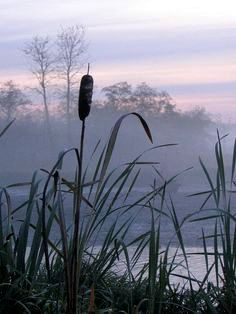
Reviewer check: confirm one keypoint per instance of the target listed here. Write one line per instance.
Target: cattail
(85, 95)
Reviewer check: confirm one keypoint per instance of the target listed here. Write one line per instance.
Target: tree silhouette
(71, 47)
(144, 99)
(118, 95)
(42, 65)
(11, 99)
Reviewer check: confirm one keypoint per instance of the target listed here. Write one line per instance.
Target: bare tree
(11, 99)
(39, 52)
(72, 49)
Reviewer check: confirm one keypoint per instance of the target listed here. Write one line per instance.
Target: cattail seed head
(85, 96)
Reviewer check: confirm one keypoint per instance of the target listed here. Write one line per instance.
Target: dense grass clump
(66, 248)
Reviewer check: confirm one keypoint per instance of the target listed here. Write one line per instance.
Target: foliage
(143, 99)
(35, 275)
(12, 98)
(118, 95)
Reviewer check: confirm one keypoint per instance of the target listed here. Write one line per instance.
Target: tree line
(142, 98)
(119, 97)
(56, 65)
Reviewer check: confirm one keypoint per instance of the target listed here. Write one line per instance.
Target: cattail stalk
(85, 100)
(75, 267)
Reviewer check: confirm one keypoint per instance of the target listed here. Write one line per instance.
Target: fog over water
(27, 146)
(117, 156)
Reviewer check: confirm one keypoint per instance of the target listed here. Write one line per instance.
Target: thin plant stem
(75, 243)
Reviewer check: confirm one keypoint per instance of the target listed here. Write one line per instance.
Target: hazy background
(186, 49)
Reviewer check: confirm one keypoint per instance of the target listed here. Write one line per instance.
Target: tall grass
(79, 272)
(222, 216)
(46, 202)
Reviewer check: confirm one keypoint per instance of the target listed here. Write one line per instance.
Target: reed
(79, 272)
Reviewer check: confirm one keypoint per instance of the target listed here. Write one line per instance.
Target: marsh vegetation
(37, 270)
(76, 242)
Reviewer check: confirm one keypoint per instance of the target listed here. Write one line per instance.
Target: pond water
(141, 222)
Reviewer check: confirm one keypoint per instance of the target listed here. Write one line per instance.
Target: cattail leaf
(113, 137)
(24, 229)
(6, 128)
(143, 163)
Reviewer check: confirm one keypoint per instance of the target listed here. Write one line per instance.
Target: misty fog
(26, 146)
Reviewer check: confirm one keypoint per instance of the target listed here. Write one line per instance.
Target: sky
(185, 47)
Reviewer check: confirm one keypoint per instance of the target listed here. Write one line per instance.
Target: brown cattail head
(85, 96)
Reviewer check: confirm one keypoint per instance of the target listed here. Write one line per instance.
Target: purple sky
(185, 47)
